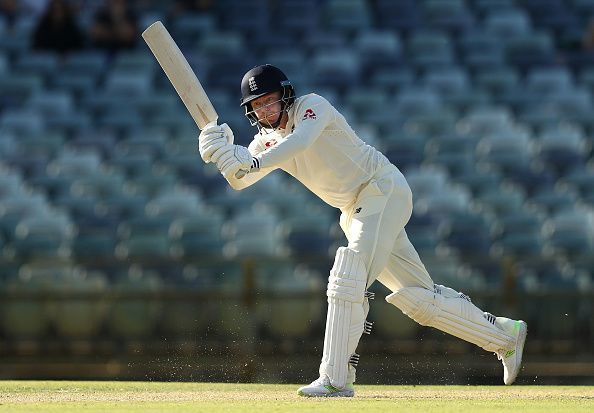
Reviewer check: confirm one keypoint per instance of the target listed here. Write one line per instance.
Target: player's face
(268, 107)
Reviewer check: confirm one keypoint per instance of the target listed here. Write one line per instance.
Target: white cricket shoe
(322, 388)
(512, 358)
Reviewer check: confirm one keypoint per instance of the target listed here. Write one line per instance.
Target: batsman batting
(309, 139)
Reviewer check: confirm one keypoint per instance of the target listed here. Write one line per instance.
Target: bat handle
(211, 123)
(240, 174)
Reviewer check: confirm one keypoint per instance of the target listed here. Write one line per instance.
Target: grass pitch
(91, 397)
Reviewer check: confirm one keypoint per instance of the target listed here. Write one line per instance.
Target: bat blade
(180, 74)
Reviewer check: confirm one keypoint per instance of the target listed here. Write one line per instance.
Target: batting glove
(236, 160)
(212, 141)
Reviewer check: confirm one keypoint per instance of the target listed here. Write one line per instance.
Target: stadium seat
(43, 236)
(571, 231)
(198, 235)
(503, 200)
(347, 15)
(377, 49)
(337, 68)
(145, 238)
(77, 319)
(470, 233)
(508, 23)
(563, 148)
(41, 63)
(554, 200)
(133, 318)
(448, 14)
(254, 232)
(289, 284)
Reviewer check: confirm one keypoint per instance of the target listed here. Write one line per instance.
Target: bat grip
(240, 174)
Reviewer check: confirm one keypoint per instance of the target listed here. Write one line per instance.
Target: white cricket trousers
(374, 226)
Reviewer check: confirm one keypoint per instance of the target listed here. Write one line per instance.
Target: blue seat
(506, 150)
(128, 83)
(581, 179)
(198, 235)
(308, 235)
(131, 319)
(502, 200)
(554, 200)
(470, 233)
(41, 63)
(16, 88)
(508, 23)
(51, 103)
(563, 148)
(404, 16)
(416, 100)
(222, 44)
(571, 231)
(337, 68)
(24, 122)
(144, 237)
(430, 49)
(520, 245)
(149, 183)
(90, 63)
(445, 201)
(392, 78)
(486, 120)
(448, 14)
(531, 177)
(439, 121)
(531, 50)
(43, 236)
(446, 81)
(480, 180)
(528, 220)
(79, 319)
(498, 81)
(489, 6)
(453, 152)
(406, 152)
(378, 49)
(298, 15)
(188, 28)
(254, 232)
(175, 203)
(549, 80)
(76, 163)
(233, 15)
(347, 15)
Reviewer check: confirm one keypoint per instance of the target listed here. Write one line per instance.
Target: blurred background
(124, 256)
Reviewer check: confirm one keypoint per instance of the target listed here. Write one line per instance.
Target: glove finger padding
(228, 133)
(212, 130)
(210, 149)
(222, 149)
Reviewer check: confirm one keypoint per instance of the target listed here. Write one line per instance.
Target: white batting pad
(453, 313)
(346, 314)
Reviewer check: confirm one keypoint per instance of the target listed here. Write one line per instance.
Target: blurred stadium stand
(113, 234)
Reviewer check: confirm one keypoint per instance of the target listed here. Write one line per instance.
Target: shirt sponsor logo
(270, 143)
(309, 114)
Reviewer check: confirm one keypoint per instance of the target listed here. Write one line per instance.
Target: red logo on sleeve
(309, 114)
(270, 143)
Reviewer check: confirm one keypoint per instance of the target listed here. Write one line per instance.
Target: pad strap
(453, 313)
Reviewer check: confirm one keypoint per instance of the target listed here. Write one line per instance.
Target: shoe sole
(335, 394)
(519, 349)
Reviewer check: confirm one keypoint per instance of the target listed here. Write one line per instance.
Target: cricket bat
(180, 74)
(182, 77)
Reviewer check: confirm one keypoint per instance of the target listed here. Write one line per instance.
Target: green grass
(91, 397)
